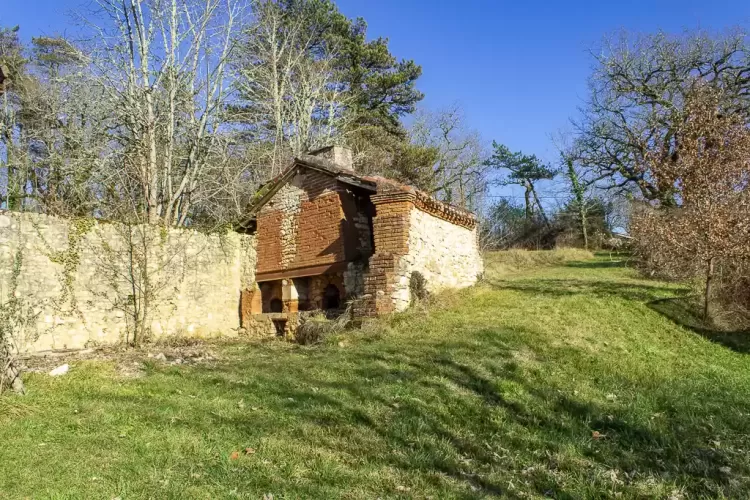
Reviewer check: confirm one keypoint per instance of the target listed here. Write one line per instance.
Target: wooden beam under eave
(302, 272)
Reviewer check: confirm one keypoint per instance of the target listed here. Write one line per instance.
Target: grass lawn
(563, 381)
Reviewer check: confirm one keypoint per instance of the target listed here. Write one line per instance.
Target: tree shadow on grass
(683, 311)
(432, 413)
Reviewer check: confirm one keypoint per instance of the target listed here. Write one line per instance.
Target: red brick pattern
(391, 233)
(269, 241)
(319, 239)
(318, 227)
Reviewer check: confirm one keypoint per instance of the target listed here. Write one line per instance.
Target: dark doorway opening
(331, 298)
(276, 306)
(280, 327)
(271, 296)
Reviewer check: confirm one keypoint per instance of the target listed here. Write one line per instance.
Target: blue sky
(518, 68)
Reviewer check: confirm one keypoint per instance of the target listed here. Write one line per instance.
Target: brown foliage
(709, 229)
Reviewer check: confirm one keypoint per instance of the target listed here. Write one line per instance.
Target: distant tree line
(173, 112)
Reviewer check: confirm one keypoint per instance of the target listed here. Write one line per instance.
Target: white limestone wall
(447, 255)
(75, 279)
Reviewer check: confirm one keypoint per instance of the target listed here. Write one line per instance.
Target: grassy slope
(497, 392)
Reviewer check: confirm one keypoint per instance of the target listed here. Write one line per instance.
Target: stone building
(316, 237)
(326, 235)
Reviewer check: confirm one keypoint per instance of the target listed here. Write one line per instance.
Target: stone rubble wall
(444, 248)
(446, 254)
(75, 275)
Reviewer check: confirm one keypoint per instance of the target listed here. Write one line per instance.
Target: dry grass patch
(509, 261)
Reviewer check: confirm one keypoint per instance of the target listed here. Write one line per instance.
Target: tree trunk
(10, 376)
(527, 198)
(584, 230)
(539, 205)
(578, 192)
(709, 283)
(14, 376)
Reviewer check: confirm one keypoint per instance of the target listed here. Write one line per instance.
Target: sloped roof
(373, 185)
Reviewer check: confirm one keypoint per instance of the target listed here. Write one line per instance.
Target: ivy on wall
(69, 258)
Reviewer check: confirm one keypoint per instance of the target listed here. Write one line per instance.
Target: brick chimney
(342, 157)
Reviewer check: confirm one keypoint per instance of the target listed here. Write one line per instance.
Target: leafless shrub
(315, 326)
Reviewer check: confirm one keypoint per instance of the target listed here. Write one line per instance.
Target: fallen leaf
(249, 451)
(235, 455)
(598, 435)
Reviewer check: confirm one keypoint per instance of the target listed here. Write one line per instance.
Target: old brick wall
(311, 221)
(384, 280)
(71, 274)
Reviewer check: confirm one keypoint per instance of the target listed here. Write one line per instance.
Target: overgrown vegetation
(568, 381)
(706, 228)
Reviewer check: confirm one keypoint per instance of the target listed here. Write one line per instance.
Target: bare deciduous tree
(162, 63)
(285, 75)
(637, 95)
(459, 173)
(711, 177)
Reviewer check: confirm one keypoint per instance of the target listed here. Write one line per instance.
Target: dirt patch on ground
(128, 361)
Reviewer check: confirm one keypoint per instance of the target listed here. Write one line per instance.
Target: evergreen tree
(367, 91)
(525, 171)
